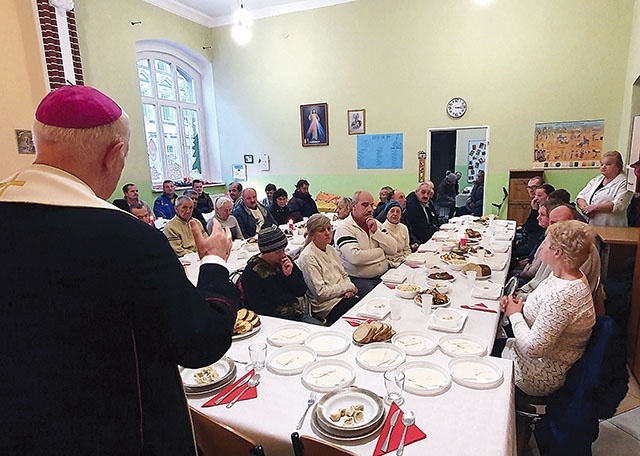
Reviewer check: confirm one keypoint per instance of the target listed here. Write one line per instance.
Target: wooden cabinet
(633, 330)
(519, 200)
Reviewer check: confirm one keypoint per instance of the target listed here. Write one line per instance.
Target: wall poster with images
(477, 158)
(572, 144)
(314, 124)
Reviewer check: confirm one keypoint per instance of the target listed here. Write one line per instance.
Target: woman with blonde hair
(330, 291)
(343, 207)
(554, 325)
(605, 198)
(398, 231)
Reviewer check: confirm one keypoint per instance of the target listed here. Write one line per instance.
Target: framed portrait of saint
(314, 124)
(356, 120)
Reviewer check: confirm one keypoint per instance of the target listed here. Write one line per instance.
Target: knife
(394, 419)
(235, 387)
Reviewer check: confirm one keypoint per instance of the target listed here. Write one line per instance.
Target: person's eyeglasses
(532, 187)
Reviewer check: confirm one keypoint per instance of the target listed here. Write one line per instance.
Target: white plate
(433, 324)
(377, 308)
(487, 290)
(418, 258)
(328, 343)
(253, 332)
(223, 368)
(424, 378)
(380, 357)
(460, 345)
(289, 335)
(328, 375)
(475, 372)
(394, 276)
(290, 360)
(499, 246)
(418, 301)
(440, 236)
(487, 277)
(415, 343)
(332, 402)
(452, 279)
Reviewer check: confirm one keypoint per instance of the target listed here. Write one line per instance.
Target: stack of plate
(225, 370)
(372, 409)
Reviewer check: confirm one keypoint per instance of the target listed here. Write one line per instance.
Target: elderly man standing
(420, 214)
(131, 197)
(363, 244)
(252, 215)
(97, 311)
(163, 206)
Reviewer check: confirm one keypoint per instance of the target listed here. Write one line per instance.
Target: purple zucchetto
(77, 107)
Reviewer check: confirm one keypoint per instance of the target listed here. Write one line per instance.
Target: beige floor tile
(613, 441)
(628, 403)
(628, 422)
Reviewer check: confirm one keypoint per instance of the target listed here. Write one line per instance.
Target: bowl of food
(407, 291)
(442, 286)
(251, 245)
(448, 318)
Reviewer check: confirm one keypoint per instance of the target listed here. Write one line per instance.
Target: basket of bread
(246, 322)
(374, 331)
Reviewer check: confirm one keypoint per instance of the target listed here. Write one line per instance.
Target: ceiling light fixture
(241, 30)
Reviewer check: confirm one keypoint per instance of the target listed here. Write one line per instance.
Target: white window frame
(200, 69)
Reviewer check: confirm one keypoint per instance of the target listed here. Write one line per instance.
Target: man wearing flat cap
(273, 284)
(91, 333)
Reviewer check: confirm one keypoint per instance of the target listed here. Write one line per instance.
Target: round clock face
(456, 107)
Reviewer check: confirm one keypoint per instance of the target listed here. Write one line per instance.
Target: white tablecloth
(461, 421)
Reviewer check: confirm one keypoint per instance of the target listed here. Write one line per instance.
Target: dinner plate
(430, 276)
(328, 343)
(328, 375)
(289, 335)
(195, 392)
(377, 308)
(255, 330)
(462, 345)
(290, 360)
(433, 323)
(486, 290)
(372, 408)
(380, 357)
(224, 369)
(340, 438)
(415, 343)
(418, 301)
(424, 378)
(475, 372)
(485, 277)
(394, 276)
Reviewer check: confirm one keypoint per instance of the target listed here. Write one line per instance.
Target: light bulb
(241, 34)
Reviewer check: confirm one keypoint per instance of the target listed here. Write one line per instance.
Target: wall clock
(456, 107)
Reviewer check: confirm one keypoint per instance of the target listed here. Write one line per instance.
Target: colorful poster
(477, 158)
(575, 144)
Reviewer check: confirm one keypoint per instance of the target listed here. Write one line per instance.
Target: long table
(459, 421)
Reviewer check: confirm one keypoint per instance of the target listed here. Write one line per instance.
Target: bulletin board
(383, 151)
(574, 144)
(477, 159)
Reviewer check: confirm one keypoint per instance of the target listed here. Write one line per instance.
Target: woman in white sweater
(331, 292)
(398, 231)
(552, 330)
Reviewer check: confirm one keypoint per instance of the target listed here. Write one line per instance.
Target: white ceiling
(213, 13)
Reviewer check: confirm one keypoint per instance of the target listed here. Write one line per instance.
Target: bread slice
(364, 333)
(255, 321)
(242, 314)
(250, 315)
(242, 327)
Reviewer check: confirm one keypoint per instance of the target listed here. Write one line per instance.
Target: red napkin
(251, 393)
(355, 322)
(413, 433)
(392, 286)
(480, 306)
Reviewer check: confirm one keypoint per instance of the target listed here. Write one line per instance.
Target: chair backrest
(217, 439)
(309, 446)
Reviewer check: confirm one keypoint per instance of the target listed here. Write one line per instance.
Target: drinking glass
(395, 305)
(394, 384)
(427, 303)
(258, 355)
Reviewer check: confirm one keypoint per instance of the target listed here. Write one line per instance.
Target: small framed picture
(25, 142)
(314, 123)
(248, 159)
(356, 121)
(240, 172)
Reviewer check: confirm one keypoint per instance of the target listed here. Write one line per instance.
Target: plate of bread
(247, 324)
(375, 331)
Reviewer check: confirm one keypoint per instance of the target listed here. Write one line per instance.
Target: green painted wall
(516, 63)
(107, 44)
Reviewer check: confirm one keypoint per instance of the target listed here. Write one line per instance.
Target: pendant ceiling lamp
(241, 29)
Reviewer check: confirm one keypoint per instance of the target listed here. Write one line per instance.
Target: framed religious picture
(314, 124)
(355, 121)
(248, 159)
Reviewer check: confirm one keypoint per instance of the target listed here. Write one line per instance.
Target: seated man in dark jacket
(272, 283)
(282, 209)
(421, 217)
(252, 215)
(303, 199)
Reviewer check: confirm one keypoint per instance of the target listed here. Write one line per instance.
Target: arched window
(171, 89)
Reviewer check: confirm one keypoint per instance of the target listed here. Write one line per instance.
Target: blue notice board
(380, 151)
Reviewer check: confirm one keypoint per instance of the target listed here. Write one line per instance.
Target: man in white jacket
(363, 244)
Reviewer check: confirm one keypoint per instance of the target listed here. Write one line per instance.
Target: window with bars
(171, 93)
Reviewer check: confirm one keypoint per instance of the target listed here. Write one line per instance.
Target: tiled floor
(620, 435)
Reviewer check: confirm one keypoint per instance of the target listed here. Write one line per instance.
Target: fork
(310, 402)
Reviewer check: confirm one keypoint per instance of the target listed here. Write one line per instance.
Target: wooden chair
(308, 446)
(216, 439)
